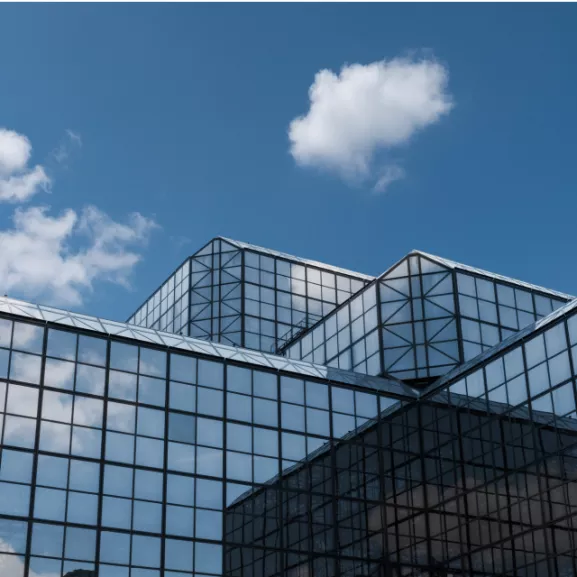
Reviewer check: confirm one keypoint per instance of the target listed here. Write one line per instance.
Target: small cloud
(74, 137)
(70, 144)
(19, 181)
(389, 174)
(367, 109)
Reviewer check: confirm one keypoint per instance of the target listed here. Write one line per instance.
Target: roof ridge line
(496, 276)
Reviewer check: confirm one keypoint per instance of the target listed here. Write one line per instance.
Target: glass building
(130, 451)
(239, 294)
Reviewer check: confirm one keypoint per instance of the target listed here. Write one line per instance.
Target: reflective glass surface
(120, 457)
(421, 318)
(243, 295)
(130, 452)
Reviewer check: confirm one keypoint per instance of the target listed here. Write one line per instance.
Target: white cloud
(18, 181)
(37, 258)
(367, 109)
(389, 174)
(58, 258)
(70, 144)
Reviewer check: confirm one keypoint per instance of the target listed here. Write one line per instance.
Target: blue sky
(182, 114)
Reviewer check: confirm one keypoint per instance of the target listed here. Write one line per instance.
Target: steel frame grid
(109, 340)
(546, 480)
(504, 472)
(421, 383)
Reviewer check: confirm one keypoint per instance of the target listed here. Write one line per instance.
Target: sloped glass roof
(505, 344)
(271, 252)
(458, 266)
(150, 336)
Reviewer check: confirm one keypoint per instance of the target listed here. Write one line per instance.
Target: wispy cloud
(367, 109)
(59, 257)
(19, 181)
(70, 144)
(180, 241)
(390, 173)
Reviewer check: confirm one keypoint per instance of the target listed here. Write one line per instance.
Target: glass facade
(475, 478)
(243, 295)
(120, 455)
(130, 452)
(421, 318)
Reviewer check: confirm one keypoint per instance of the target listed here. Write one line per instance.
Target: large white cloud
(366, 109)
(18, 181)
(37, 258)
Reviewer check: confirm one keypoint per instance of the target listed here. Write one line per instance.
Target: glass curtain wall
(120, 457)
(476, 478)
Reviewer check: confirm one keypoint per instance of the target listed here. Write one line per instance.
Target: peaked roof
(336, 269)
(509, 342)
(170, 340)
(446, 263)
(459, 266)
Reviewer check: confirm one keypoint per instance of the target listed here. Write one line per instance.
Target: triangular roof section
(401, 269)
(509, 343)
(336, 269)
(493, 276)
(170, 340)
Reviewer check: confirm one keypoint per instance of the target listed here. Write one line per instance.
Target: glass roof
(508, 342)
(458, 266)
(335, 269)
(150, 336)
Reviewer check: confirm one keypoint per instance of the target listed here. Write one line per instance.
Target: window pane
(181, 428)
(152, 362)
(61, 344)
(123, 356)
(182, 368)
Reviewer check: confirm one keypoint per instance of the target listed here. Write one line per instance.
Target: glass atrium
(219, 437)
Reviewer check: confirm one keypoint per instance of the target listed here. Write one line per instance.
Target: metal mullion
(363, 505)
(498, 310)
(189, 307)
(165, 466)
(509, 520)
(461, 466)
(102, 452)
(214, 302)
(380, 327)
(381, 467)
(572, 369)
(458, 316)
(74, 397)
(306, 281)
(281, 490)
(426, 509)
(423, 320)
(536, 443)
(8, 369)
(550, 548)
(274, 348)
(36, 449)
(393, 469)
(334, 486)
(411, 301)
(224, 477)
(242, 297)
